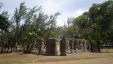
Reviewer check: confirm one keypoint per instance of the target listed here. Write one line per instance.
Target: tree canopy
(28, 25)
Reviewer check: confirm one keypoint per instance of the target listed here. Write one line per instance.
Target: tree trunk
(98, 47)
(92, 47)
(27, 48)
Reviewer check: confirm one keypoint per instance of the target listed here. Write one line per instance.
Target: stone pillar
(63, 47)
(75, 45)
(50, 47)
(57, 48)
(85, 46)
(78, 45)
(39, 42)
(82, 45)
(71, 43)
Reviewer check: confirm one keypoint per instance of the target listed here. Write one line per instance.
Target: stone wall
(54, 47)
(78, 45)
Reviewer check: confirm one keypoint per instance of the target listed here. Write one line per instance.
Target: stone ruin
(50, 47)
(54, 47)
(62, 47)
(77, 45)
(39, 46)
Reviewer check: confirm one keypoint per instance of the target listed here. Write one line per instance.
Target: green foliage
(31, 24)
(96, 24)
(3, 23)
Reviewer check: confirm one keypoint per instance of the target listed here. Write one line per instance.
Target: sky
(67, 8)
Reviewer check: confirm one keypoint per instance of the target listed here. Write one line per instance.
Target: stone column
(78, 45)
(71, 43)
(39, 42)
(63, 47)
(85, 45)
(75, 45)
(57, 48)
(50, 47)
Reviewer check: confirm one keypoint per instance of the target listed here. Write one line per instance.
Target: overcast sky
(67, 8)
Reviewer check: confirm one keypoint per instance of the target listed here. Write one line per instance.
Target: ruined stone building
(77, 45)
(62, 47)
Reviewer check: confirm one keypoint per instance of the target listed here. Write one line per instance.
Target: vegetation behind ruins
(28, 26)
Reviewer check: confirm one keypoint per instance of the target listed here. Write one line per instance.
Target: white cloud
(50, 7)
(62, 19)
(53, 6)
(78, 12)
(67, 8)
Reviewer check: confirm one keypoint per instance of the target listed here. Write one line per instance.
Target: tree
(3, 23)
(96, 24)
(19, 14)
(101, 16)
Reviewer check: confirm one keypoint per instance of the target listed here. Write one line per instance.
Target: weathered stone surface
(81, 45)
(39, 46)
(50, 47)
(63, 47)
(77, 45)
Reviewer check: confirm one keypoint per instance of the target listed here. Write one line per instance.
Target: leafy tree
(95, 25)
(3, 23)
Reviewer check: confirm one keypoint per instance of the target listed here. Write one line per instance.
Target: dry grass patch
(107, 50)
(78, 58)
